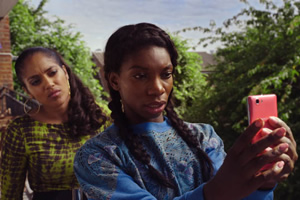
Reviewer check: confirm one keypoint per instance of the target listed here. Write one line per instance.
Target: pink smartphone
(262, 106)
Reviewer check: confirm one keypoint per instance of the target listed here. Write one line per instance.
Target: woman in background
(43, 143)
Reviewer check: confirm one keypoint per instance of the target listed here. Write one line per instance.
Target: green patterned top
(45, 151)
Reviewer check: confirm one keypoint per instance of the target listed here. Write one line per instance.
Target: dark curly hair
(85, 117)
(125, 41)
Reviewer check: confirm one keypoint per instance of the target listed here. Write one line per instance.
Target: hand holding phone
(262, 106)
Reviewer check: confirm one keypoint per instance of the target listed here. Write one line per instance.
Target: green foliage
(30, 27)
(262, 57)
(189, 80)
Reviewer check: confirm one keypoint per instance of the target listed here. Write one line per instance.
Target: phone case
(262, 106)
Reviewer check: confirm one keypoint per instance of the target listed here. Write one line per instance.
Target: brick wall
(6, 77)
(5, 54)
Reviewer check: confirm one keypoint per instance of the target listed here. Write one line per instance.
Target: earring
(122, 106)
(27, 112)
(69, 88)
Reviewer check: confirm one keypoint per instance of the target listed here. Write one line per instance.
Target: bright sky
(98, 19)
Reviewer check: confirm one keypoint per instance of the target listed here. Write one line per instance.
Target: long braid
(191, 140)
(132, 141)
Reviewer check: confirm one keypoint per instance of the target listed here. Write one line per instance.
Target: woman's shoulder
(104, 143)
(27, 124)
(20, 121)
(15, 128)
(210, 137)
(205, 129)
(108, 136)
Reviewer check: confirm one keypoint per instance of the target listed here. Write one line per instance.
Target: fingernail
(273, 118)
(283, 147)
(258, 123)
(265, 131)
(268, 149)
(280, 164)
(280, 132)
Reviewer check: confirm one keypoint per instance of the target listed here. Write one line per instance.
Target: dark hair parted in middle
(124, 42)
(85, 117)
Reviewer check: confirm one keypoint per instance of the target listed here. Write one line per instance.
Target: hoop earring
(27, 112)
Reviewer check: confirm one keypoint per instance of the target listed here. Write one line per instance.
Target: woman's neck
(52, 115)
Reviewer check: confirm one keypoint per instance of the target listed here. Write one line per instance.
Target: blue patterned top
(106, 170)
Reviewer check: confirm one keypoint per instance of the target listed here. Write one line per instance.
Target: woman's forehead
(38, 62)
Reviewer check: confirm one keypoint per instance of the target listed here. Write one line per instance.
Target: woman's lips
(155, 108)
(54, 93)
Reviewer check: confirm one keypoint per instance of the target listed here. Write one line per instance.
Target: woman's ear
(66, 72)
(113, 79)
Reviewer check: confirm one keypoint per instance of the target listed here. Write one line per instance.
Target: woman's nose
(48, 82)
(156, 87)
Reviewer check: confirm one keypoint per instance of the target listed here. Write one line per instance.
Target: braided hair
(85, 117)
(125, 41)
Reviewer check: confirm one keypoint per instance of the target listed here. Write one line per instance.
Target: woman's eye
(52, 73)
(140, 76)
(35, 82)
(167, 75)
